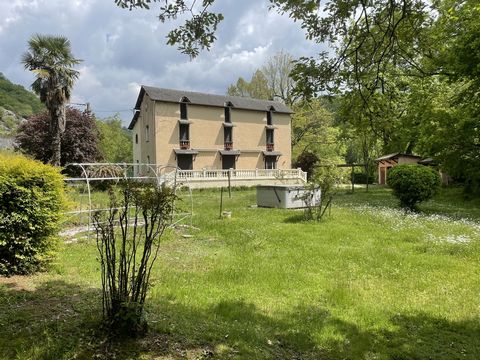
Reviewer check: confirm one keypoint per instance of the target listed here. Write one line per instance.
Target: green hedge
(31, 201)
(413, 183)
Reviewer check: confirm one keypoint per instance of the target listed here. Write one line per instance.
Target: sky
(122, 50)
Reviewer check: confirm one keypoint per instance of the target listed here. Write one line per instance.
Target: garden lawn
(368, 282)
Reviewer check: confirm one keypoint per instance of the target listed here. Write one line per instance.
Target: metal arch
(176, 169)
(154, 168)
(84, 171)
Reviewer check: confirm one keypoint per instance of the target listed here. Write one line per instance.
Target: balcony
(235, 177)
(270, 147)
(228, 145)
(184, 144)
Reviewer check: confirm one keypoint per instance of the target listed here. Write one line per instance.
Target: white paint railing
(244, 174)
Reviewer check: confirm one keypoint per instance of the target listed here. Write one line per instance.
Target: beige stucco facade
(156, 135)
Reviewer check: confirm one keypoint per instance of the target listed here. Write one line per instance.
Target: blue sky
(122, 49)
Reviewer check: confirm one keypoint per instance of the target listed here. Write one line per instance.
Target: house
(199, 132)
(388, 161)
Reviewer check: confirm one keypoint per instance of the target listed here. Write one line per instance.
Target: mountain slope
(18, 99)
(16, 103)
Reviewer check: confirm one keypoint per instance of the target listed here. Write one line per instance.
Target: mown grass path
(369, 282)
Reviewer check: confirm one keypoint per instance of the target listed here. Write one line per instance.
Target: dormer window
(228, 112)
(228, 118)
(183, 108)
(183, 111)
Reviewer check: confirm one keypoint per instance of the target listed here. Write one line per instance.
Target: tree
(271, 82)
(277, 71)
(198, 31)
(315, 136)
(79, 141)
(256, 88)
(115, 141)
(51, 59)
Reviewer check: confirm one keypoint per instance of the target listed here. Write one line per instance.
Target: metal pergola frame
(161, 174)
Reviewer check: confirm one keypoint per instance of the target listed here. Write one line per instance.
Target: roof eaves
(134, 120)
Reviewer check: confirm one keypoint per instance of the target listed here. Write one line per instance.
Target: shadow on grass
(240, 330)
(296, 219)
(48, 322)
(61, 321)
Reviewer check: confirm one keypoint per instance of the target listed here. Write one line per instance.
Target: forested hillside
(15, 103)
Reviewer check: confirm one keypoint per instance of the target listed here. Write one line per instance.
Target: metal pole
(229, 184)
(368, 172)
(353, 180)
(221, 202)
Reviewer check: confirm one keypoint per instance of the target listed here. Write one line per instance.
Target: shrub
(413, 183)
(361, 178)
(79, 142)
(31, 199)
(142, 211)
(307, 161)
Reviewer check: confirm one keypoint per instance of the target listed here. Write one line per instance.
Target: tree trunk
(57, 127)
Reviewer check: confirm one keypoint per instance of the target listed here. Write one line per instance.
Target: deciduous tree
(79, 141)
(115, 141)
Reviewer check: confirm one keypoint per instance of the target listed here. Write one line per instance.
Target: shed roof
(197, 98)
(396, 155)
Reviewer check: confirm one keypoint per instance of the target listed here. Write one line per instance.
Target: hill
(18, 99)
(16, 103)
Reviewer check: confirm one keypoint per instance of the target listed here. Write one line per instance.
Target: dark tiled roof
(197, 98)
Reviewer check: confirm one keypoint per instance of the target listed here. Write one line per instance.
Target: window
(136, 138)
(270, 162)
(270, 136)
(228, 162)
(227, 132)
(228, 119)
(147, 133)
(269, 117)
(148, 159)
(184, 136)
(185, 161)
(184, 132)
(183, 111)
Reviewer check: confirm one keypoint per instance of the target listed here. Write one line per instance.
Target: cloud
(122, 49)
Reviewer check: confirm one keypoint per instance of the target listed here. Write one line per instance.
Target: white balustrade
(242, 174)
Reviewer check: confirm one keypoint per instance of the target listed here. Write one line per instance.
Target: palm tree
(51, 59)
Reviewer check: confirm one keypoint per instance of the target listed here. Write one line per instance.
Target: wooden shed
(388, 161)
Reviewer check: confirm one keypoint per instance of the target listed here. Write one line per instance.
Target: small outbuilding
(386, 162)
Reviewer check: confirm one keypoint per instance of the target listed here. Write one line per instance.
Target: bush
(413, 183)
(79, 142)
(361, 178)
(307, 161)
(31, 199)
(127, 255)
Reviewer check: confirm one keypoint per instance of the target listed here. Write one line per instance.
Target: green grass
(369, 282)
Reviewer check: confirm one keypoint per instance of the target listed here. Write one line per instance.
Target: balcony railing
(185, 144)
(270, 147)
(236, 174)
(228, 145)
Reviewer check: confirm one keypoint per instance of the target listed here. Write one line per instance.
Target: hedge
(413, 183)
(31, 201)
